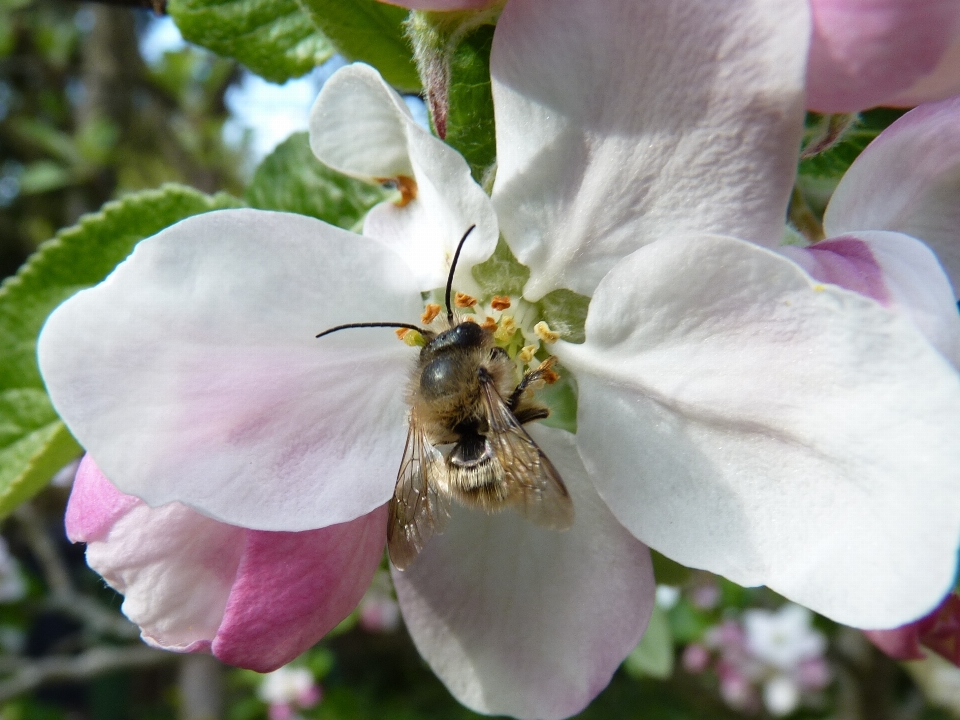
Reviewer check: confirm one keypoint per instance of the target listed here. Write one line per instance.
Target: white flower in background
(771, 657)
(732, 412)
(783, 639)
(287, 689)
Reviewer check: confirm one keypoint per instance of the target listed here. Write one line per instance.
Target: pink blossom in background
(939, 631)
(251, 598)
(866, 53)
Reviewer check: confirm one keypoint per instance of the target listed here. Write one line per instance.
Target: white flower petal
(192, 373)
(619, 122)
(741, 418)
(361, 127)
(894, 269)
(521, 621)
(908, 181)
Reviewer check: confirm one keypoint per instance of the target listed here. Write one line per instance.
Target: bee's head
(464, 335)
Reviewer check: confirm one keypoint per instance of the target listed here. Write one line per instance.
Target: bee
(463, 395)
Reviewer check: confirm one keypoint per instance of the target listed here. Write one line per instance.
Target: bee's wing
(417, 509)
(534, 483)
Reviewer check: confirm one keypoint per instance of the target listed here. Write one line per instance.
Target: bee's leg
(529, 414)
(533, 412)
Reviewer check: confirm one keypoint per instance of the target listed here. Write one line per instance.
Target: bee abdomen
(475, 474)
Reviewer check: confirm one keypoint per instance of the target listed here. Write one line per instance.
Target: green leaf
(44, 176)
(687, 624)
(34, 444)
(653, 657)
(833, 163)
(369, 31)
(667, 571)
(274, 38)
(293, 180)
(470, 123)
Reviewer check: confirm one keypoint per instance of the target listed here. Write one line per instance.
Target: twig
(80, 667)
(63, 596)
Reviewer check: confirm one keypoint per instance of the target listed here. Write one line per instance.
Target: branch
(93, 662)
(63, 596)
(159, 7)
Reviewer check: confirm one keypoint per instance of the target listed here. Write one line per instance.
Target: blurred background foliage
(85, 118)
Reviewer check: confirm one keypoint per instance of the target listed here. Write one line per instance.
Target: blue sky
(268, 111)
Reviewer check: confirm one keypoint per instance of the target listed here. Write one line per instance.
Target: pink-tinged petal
(640, 131)
(192, 372)
(939, 631)
(521, 621)
(95, 504)
(291, 589)
(361, 127)
(742, 418)
(943, 82)
(908, 181)
(864, 52)
(896, 270)
(175, 569)
(254, 599)
(440, 5)
(902, 643)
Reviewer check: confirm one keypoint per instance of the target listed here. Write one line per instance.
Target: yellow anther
(527, 353)
(469, 318)
(819, 288)
(462, 300)
(508, 327)
(550, 376)
(543, 331)
(411, 337)
(489, 324)
(430, 313)
(405, 184)
(500, 302)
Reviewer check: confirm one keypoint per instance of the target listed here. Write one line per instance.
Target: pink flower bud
(254, 599)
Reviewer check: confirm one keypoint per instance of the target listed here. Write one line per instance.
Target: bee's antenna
(453, 269)
(369, 325)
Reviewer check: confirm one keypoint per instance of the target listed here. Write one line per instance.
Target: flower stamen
(462, 300)
(543, 331)
(430, 313)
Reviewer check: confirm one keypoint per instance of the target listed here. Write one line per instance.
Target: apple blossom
(732, 412)
(252, 598)
(892, 216)
(773, 657)
(288, 689)
(882, 52)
